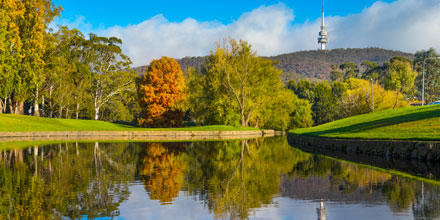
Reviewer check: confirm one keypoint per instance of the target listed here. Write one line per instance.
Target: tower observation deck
(323, 39)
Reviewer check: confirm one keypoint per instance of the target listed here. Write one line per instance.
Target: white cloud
(407, 25)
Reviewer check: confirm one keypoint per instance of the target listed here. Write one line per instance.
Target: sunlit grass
(412, 123)
(17, 123)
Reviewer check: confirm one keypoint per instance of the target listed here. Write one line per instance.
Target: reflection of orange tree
(162, 171)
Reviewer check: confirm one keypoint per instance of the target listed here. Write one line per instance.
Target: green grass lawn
(412, 123)
(15, 123)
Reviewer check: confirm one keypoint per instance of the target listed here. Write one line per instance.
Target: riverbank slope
(412, 123)
(23, 123)
(19, 128)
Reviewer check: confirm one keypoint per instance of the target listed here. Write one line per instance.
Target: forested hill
(312, 64)
(317, 64)
(184, 63)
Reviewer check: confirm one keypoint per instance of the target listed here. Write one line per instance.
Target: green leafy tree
(336, 75)
(111, 75)
(432, 73)
(237, 87)
(32, 27)
(304, 89)
(325, 104)
(10, 47)
(302, 115)
(400, 76)
(350, 70)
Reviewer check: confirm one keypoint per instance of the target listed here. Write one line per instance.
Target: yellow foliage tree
(360, 98)
(23, 37)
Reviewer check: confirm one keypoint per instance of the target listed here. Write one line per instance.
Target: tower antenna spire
(323, 39)
(323, 24)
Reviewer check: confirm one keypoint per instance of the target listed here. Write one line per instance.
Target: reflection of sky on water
(139, 206)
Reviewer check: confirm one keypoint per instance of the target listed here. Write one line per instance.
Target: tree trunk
(77, 111)
(67, 113)
(19, 108)
(60, 111)
(50, 102)
(36, 107)
(11, 107)
(4, 105)
(42, 106)
(96, 104)
(16, 108)
(397, 99)
(243, 120)
(96, 113)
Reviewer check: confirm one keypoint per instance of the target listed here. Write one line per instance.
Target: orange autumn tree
(161, 94)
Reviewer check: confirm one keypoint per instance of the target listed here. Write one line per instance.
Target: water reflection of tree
(64, 180)
(162, 169)
(235, 177)
(427, 202)
(349, 178)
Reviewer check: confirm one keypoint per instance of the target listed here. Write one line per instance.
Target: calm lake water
(254, 179)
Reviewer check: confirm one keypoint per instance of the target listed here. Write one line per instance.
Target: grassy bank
(17, 123)
(412, 123)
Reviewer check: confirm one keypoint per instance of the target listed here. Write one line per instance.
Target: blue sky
(151, 29)
(106, 13)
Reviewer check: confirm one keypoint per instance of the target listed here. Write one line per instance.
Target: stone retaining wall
(414, 150)
(132, 135)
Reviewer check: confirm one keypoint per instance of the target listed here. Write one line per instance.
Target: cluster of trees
(431, 60)
(352, 92)
(65, 74)
(60, 73)
(233, 87)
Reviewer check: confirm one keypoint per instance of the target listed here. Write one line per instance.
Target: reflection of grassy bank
(25, 144)
(21, 123)
(388, 171)
(414, 123)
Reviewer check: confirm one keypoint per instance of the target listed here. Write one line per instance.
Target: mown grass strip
(412, 123)
(22, 123)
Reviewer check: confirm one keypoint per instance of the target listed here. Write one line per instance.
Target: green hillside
(412, 123)
(11, 123)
